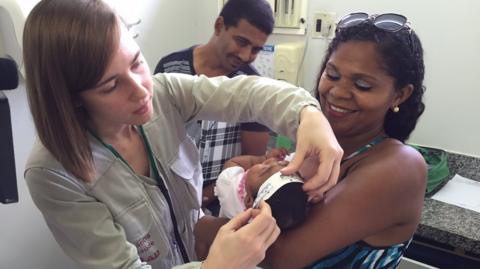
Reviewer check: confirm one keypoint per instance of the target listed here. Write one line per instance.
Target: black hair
(402, 58)
(256, 12)
(289, 205)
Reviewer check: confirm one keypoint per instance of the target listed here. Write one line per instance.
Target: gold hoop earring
(395, 109)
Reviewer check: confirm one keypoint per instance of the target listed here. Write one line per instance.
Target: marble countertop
(449, 224)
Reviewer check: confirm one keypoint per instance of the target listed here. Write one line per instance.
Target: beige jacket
(121, 218)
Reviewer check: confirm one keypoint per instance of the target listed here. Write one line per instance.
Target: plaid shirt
(216, 141)
(219, 142)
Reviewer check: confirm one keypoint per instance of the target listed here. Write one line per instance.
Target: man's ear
(219, 25)
(402, 95)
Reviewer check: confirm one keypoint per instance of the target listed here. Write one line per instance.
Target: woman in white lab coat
(113, 172)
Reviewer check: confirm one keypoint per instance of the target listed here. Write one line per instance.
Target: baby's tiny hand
(278, 153)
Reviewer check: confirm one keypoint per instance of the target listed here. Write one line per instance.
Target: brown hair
(67, 46)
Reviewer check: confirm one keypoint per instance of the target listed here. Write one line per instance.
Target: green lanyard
(112, 150)
(163, 188)
(161, 185)
(364, 148)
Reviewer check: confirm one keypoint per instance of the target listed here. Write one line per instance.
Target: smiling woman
(370, 88)
(356, 93)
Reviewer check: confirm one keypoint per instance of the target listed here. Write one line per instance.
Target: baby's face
(259, 173)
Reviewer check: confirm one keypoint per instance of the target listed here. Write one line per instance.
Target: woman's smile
(337, 111)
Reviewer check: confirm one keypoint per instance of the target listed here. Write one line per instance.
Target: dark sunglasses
(389, 22)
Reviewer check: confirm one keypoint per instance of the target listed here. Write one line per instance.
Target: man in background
(240, 31)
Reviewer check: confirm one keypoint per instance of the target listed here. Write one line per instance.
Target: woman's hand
(240, 244)
(317, 143)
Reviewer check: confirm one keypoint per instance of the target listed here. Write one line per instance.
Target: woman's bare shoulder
(393, 162)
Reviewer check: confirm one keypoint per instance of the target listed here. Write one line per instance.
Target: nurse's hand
(317, 143)
(240, 244)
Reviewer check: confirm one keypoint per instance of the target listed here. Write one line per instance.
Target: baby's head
(258, 174)
(284, 194)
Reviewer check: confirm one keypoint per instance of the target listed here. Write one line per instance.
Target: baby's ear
(248, 200)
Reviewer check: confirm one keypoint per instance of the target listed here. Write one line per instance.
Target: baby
(246, 180)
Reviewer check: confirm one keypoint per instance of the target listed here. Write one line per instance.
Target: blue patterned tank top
(363, 255)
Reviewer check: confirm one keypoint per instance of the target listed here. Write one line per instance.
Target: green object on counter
(283, 142)
(437, 162)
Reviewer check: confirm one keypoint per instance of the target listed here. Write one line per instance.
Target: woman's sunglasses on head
(390, 22)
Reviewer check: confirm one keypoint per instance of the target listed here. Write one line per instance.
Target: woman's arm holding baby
(205, 232)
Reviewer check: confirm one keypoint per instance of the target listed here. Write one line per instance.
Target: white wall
(170, 25)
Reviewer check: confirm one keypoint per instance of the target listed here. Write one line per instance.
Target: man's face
(238, 45)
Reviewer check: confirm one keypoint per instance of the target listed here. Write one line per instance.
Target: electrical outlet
(323, 24)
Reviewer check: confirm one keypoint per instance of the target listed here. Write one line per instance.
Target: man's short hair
(256, 12)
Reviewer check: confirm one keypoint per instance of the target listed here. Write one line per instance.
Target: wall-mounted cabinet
(290, 15)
